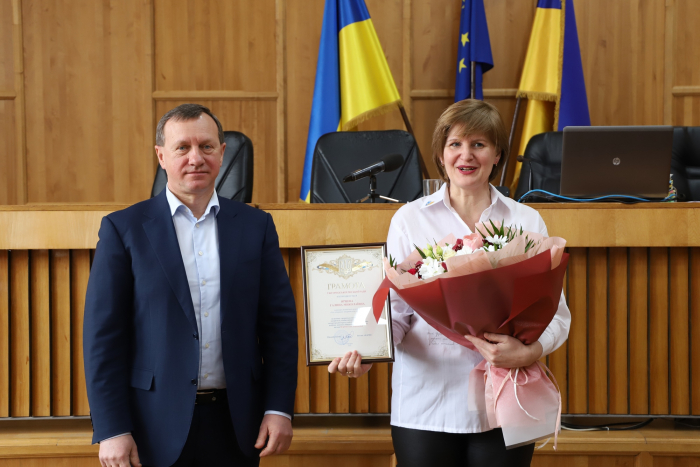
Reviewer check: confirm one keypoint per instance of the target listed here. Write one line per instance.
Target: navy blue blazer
(140, 337)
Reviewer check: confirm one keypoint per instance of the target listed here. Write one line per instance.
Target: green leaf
(484, 236)
(420, 252)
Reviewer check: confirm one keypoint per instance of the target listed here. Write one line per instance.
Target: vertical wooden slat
(79, 274)
(4, 334)
(379, 388)
(339, 393)
(557, 361)
(301, 400)
(639, 333)
(578, 334)
(41, 334)
(679, 344)
(319, 390)
(60, 333)
(617, 342)
(359, 394)
(19, 334)
(597, 330)
(658, 331)
(694, 329)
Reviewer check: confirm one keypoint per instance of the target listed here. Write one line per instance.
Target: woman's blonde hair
(471, 116)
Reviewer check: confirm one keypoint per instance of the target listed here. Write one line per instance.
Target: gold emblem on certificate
(339, 284)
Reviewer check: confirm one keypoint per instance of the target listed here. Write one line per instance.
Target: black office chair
(338, 154)
(541, 169)
(685, 164)
(235, 179)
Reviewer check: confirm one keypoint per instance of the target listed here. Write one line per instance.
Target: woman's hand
(503, 351)
(349, 365)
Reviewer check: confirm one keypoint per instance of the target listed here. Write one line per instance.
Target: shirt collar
(444, 195)
(175, 203)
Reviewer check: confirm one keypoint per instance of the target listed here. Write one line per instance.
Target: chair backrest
(685, 164)
(338, 154)
(235, 179)
(541, 169)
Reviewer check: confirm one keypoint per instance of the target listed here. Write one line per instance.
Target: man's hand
(119, 452)
(503, 351)
(279, 430)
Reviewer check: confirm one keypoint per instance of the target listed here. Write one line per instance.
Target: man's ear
(160, 155)
(223, 151)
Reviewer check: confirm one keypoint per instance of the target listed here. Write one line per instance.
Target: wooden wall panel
(213, 45)
(19, 334)
(622, 51)
(694, 330)
(7, 76)
(254, 118)
(4, 334)
(687, 110)
(597, 330)
(639, 330)
(435, 27)
(301, 401)
(380, 388)
(679, 354)
(578, 335)
(88, 76)
(79, 274)
(686, 58)
(658, 331)
(618, 341)
(40, 333)
(8, 149)
(60, 333)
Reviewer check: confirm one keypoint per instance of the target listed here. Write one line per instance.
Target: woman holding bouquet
(431, 423)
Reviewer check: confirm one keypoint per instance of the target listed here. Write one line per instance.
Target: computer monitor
(616, 160)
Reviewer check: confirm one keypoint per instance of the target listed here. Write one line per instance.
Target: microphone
(385, 164)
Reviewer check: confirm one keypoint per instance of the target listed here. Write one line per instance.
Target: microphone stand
(373, 193)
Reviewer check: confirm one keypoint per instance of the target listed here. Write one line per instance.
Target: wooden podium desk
(633, 348)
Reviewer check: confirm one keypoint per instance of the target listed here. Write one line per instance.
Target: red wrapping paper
(519, 300)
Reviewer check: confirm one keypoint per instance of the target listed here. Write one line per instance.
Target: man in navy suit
(190, 337)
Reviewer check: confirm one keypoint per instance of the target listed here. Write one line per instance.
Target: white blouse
(431, 373)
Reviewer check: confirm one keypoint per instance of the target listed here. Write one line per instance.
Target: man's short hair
(185, 112)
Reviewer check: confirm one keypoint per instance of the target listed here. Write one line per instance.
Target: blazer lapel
(160, 231)
(230, 235)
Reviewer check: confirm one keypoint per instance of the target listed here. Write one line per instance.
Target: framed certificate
(339, 284)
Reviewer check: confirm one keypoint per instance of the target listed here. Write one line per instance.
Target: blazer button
(194, 381)
(195, 336)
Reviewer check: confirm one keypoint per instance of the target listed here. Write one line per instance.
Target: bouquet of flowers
(501, 280)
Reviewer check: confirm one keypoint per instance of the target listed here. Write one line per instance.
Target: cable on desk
(607, 427)
(555, 197)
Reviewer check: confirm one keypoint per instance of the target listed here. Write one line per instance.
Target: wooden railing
(633, 346)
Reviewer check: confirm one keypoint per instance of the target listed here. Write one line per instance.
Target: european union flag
(474, 46)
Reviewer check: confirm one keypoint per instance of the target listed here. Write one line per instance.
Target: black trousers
(420, 448)
(211, 441)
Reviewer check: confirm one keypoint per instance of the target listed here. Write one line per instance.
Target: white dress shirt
(199, 247)
(430, 378)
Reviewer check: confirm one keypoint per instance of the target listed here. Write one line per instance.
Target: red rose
(413, 271)
(444, 266)
(419, 264)
(459, 244)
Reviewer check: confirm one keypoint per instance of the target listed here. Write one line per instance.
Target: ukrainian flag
(353, 81)
(552, 76)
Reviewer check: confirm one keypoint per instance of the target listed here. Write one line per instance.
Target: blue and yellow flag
(552, 76)
(474, 46)
(353, 81)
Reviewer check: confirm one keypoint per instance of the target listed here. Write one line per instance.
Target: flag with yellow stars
(353, 80)
(552, 76)
(474, 46)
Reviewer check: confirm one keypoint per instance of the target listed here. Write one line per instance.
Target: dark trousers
(211, 441)
(420, 448)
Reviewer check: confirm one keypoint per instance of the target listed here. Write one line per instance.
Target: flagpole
(472, 92)
(409, 128)
(510, 139)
